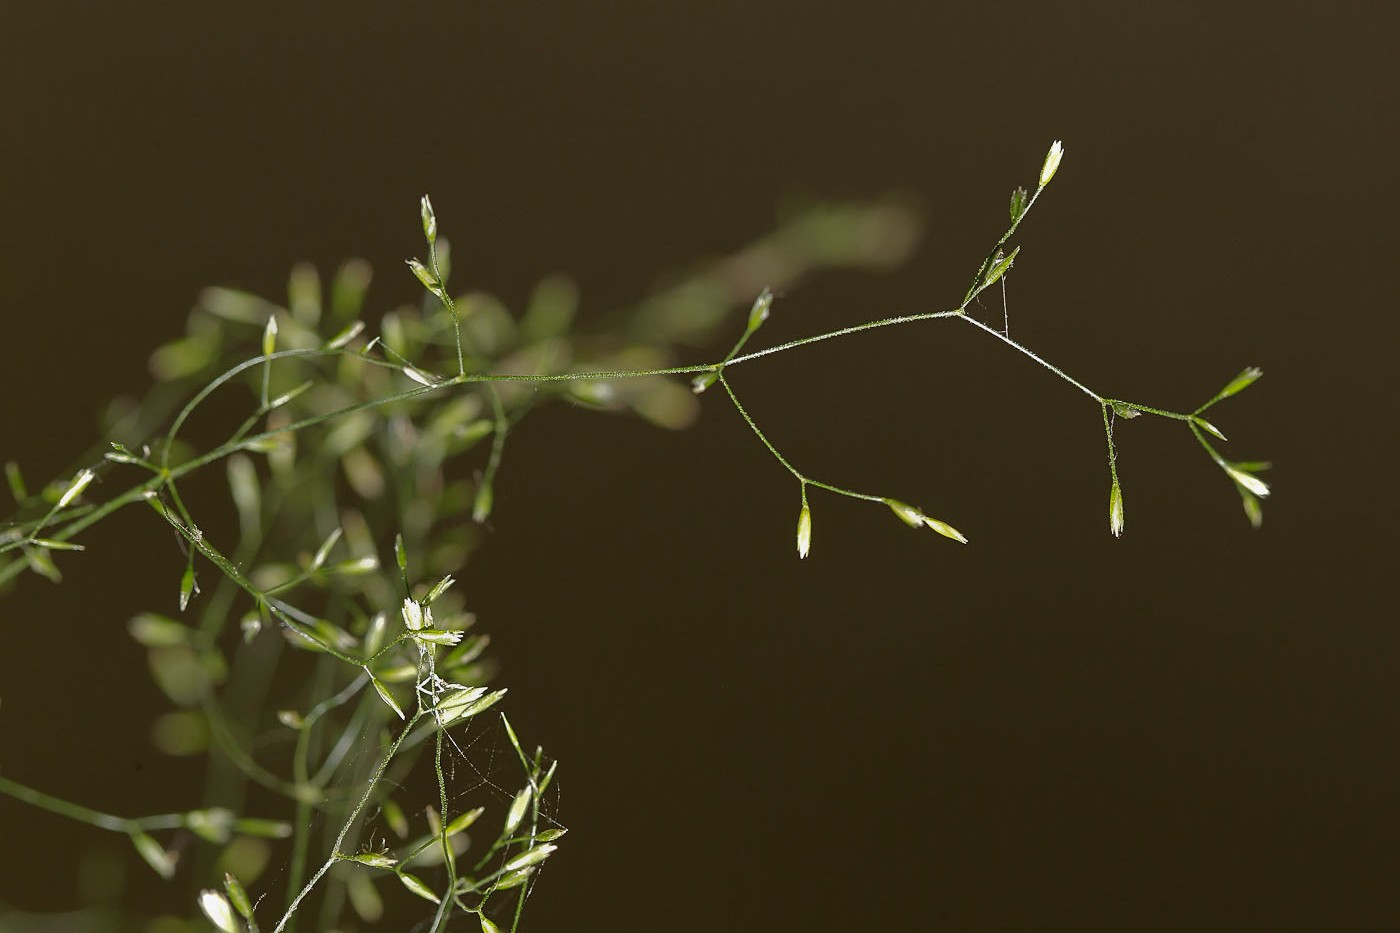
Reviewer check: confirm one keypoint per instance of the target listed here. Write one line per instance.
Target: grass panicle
(303, 631)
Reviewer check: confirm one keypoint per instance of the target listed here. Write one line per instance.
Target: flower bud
(1249, 481)
(945, 529)
(413, 614)
(269, 340)
(1052, 162)
(907, 513)
(216, 907)
(1203, 423)
(1115, 509)
(759, 312)
(75, 488)
(429, 280)
(1241, 382)
(915, 519)
(804, 531)
(429, 219)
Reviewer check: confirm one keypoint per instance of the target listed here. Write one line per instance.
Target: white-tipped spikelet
(915, 518)
(75, 488)
(269, 338)
(217, 908)
(1052, 162)
(1115, 509)
(429, 219)
(413, 614)
(1249, 481)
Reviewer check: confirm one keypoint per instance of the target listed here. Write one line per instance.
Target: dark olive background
(1192, 727)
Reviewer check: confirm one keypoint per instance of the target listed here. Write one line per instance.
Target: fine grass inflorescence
(322, 658)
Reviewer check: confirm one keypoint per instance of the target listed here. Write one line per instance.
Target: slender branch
(1030, 353)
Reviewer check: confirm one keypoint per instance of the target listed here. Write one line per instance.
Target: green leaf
(486, 925)
(1124, 410)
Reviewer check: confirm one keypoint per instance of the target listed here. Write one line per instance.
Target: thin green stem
(841, 332)
(1032, 355)
(1112, 451)
(444, 911)
(446, 297)
(266, 382)
(482, 507)
(336, 853)
(978, 283)
(1160, 412)
(1210, 449)
(739, 406)
(802, 478)
(82, 814)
